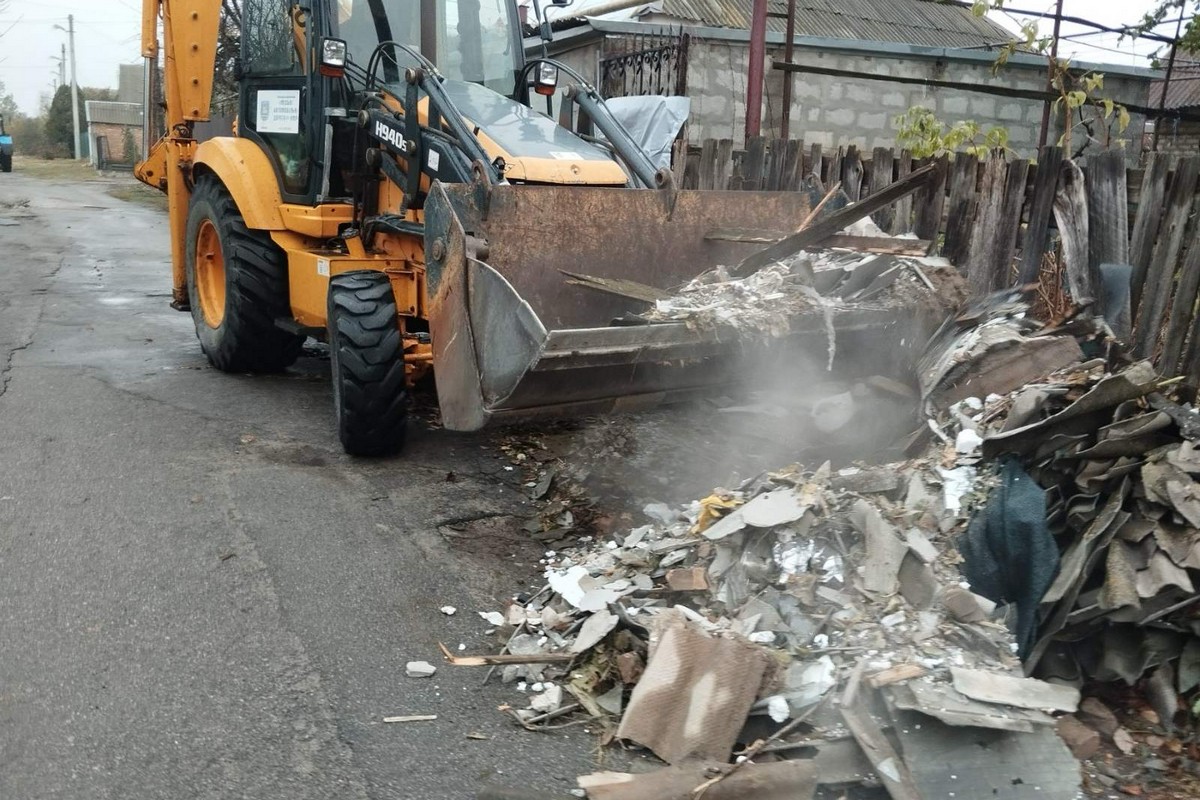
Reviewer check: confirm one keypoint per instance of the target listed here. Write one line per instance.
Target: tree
(60, 133)
(60, 122)
(8, 106)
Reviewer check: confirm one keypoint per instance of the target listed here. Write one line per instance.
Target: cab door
(276, 100)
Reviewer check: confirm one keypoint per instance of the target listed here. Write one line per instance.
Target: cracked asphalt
(201, 596)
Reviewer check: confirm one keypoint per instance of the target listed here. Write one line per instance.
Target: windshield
(470, 40)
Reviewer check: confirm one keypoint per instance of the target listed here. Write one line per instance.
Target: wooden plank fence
(997, 217)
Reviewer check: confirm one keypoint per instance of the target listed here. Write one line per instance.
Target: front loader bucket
(513, 339)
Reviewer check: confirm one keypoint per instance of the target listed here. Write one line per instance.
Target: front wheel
(237, 286)
(370, 391)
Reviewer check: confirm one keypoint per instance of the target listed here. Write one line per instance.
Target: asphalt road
(200, 595)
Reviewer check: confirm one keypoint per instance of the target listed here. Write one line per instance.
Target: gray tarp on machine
(653, 122)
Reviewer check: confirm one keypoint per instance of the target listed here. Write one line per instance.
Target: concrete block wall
(1180, 138)
(839, 111)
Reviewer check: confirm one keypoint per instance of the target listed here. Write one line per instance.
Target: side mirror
(333, 58)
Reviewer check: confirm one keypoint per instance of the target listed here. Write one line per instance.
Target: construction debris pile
(813, 632)
(769, 300)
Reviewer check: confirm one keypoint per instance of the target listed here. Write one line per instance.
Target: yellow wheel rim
(210, 274)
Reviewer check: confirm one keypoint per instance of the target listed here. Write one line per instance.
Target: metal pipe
(1162, 96)
(1045, 129)
(622, 142)
(789, 48)
(754, 76)
(148, 137)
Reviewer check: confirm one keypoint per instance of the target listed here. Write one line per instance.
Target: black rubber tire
(370, 390)
(256, 288)
(5, 163)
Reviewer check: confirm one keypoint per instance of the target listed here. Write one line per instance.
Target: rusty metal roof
(1184, 89)
(917, 22)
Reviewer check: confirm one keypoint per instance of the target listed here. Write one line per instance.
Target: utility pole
(70, 29)
(75, 85)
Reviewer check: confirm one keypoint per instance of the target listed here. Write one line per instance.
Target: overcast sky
(107, 34)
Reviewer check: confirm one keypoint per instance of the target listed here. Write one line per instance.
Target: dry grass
(57, 169)
(1053, 300)
(139, 193)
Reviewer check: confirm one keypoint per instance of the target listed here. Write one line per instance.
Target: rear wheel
(237, 286)
(370, 392)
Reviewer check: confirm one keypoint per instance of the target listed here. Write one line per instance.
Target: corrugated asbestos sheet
(916, 22)
(1184, 90)
(109, 112)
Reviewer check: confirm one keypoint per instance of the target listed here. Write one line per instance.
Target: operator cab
(307, 120)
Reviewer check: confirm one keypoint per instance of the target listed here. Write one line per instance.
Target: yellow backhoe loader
(391, 188)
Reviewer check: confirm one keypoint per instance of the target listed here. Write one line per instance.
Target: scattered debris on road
(419, 669)
(832, 628)
(411, 718)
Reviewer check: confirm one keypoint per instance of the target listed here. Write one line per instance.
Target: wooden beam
(824, 228)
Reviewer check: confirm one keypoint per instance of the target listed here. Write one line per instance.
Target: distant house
(114, 133)
(1183, 94)
(115, 126)
(626, 52)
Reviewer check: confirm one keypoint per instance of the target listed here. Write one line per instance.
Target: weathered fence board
(1145, 227)
(902, 220)
(988, 217)
(852, 173)
(1181, 311)
(1160, 275)
(1070, 213)
(881, 175)
(1037, 230)
(931, 201)
(963, 175)
(1108, 213)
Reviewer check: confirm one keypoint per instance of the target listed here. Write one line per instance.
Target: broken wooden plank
(896, 674)
(1108, 214)
(902, 220)
(930, 200)
(833, 172)
(816, 164)
(964, 173)
(1161, 274)
(816, 211)
(411, 718)
(867, 730)
(883, 245)
(1037, 230)
(1070, 213)
(882, 166)
(507, 658)
(831, 224)
(617, 286)
(1146, 224)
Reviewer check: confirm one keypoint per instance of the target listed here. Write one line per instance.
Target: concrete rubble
(826, 632)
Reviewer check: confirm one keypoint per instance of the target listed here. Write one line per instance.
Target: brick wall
(1179, 137)
(839, 111)
(116, 141)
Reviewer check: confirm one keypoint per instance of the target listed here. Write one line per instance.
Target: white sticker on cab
(565, 155)
(323, 267)
(278, 111)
